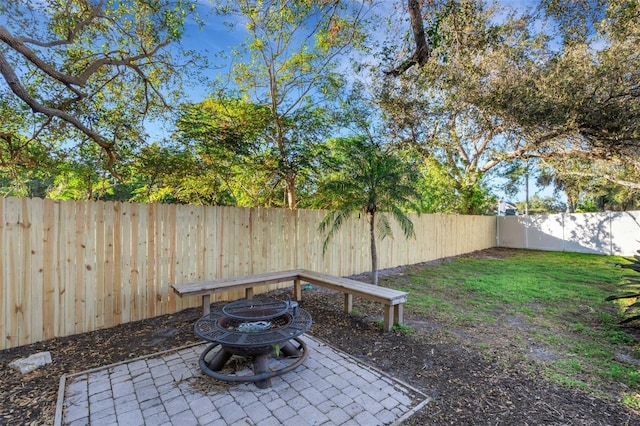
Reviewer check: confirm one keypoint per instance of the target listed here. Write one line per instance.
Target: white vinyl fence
(610, 233)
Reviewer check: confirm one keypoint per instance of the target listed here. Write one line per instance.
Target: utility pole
(526, 189)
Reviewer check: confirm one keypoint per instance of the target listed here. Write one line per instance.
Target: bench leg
(348, 303)
(206, 304)
(388, 317)
(297, 290)
(248, 293)
(398, 316)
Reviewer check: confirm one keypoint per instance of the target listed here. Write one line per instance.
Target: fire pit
(255, 328)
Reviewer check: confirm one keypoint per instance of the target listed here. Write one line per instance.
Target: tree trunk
(291, 192)
(571, 203)
(526, 189)
(374, 254)
(422, 53)
(417, 25)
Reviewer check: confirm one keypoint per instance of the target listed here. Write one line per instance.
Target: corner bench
(393, 300)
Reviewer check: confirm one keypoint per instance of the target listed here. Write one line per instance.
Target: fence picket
(89, 294)
(4, 313)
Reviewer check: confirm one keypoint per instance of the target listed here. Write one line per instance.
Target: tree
(22, 161)
(169, 173)
(546, 205)
(592, 185)
(571, 102)
(438, 109)
(230, 138)
(364, 176)
(288, 63)
(98, 69)
(585, 88)
(581, 99)
(441, 193)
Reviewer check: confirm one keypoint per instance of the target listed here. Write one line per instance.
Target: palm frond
(629, 290)
(403, 220)
(629, 319)
(383, 226)
(330, 224)
(622, 296)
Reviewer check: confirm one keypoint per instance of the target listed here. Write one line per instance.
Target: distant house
(507, 208)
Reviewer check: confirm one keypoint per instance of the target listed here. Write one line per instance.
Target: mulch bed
(470, 380)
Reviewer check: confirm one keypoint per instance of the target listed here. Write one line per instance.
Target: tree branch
(70, 81)
(72, 33)
(634, 185)
(30, 55)
(14, 84)
(422, 53)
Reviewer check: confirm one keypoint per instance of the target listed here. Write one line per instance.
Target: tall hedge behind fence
(74, 266)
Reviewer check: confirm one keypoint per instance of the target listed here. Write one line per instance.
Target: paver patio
(329, 388)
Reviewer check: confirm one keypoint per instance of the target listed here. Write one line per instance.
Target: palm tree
(367, 178)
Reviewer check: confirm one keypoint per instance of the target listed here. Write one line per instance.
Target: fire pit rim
(270, 308)
(209, 328)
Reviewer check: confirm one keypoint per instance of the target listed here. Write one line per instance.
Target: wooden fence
(74, 266)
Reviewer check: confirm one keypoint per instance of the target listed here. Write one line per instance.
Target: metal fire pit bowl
(257, 328)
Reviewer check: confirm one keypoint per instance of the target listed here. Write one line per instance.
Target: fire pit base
(261, 374)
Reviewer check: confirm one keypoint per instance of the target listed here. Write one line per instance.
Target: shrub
(630, 290)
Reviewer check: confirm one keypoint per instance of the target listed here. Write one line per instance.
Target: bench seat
(392, 300)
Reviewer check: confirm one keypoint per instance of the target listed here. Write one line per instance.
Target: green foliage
(399, 328)
(436, 188)
(224, 127)
(171, 174)
(499, 89)
(580, 95)
(442, 193)
(440, 111)
(362, 176)
(631, 400)
(543, 205)
(604, 195)
(494, 90)
(288, 64)
(94, 70)
(565, 373)
(232, 141)
(629, 291)
(25, 167)
(27, 164)
(403, 328)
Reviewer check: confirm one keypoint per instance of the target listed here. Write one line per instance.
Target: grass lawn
(548, 307)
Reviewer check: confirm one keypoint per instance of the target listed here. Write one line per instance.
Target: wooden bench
(393, 300)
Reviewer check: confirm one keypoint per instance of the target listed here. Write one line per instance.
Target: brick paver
(330, 387)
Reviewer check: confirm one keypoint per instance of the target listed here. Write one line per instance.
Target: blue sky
(215, 37)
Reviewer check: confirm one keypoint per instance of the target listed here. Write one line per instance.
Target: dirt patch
(476, 376)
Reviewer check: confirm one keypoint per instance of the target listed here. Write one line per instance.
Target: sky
(215, 37)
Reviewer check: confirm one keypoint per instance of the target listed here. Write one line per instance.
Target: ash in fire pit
(247, 327)
(256, 328)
